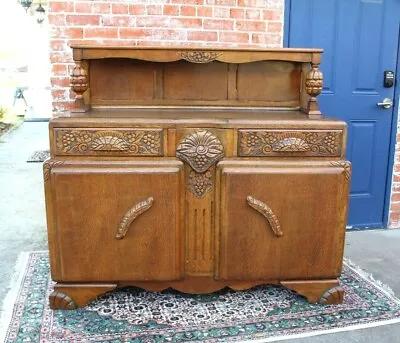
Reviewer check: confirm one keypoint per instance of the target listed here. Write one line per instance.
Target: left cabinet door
(115, 221)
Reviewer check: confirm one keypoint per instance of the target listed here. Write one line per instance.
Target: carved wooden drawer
(108, 141)
(315, 143)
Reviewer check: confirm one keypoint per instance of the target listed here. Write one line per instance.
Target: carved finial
(314, 83)
(79, 84)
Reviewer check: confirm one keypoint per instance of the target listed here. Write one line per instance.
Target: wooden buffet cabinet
(196, 170)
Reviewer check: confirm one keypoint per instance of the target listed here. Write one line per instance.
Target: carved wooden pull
(131, 215)
(266, 211)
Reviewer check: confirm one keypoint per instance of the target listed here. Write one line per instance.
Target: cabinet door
(115, 221)
(281, 220)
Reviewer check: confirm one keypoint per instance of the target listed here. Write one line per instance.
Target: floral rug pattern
(136, 316)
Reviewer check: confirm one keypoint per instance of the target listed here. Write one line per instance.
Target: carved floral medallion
(199, 56)
(312, 143)
(200, 184)
(127, 142)
(200, 149)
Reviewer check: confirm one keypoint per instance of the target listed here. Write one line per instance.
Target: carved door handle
(266, 211)
(131, 215)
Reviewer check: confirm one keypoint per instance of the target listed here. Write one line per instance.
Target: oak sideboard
(195, 169)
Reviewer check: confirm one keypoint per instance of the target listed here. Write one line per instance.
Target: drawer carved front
(290, 143)
(131, 142)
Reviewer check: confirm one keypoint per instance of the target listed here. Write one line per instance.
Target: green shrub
(3, 112)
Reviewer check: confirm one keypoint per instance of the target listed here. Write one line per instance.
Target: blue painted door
(360, 39)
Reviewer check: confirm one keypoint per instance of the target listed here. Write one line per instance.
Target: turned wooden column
(314, 84)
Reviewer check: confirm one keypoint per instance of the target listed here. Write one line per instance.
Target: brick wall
(255, 23)
(394, 212)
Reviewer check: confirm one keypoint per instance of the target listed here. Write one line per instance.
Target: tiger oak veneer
(196, 170)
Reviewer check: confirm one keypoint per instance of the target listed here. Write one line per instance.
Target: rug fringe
(7, 308)
(370, 278)
(367, 277)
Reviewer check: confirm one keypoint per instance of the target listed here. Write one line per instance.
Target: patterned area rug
(39, 156)
(263, 314)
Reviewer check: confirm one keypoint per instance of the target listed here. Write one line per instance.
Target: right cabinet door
(281, 220)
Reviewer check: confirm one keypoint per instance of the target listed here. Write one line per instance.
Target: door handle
(386, 103)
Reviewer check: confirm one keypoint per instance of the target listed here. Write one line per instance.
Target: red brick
(101, 8)
(234, 37)
(221, 2)
(266, 39)
(56, 19)
(82, 20)
(222, 12)
(60, 57)
(171, 10)
(118, 20)
(59, 94)
(272, 15)
(396, 178)
(204, 11)
(61, 6)
(152, 22)
(246, 25)
(395, 197)
(120, 9)
(237, 13)
(137, 9)
(188, 11)
(190, 2)
(274, 27)
(186, 22)
(154, 9)
(60, 82)
(253, 3)
(396, 187)
(58, 45)
(218, 24)
(134, 33)
(253, 14)
(95, 32)
(395, 207)
(59, 69)
(202, 35)
(83, 7)
(168, 34)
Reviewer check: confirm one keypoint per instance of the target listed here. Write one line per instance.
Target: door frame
(395, 116)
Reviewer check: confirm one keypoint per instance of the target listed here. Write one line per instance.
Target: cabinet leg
(327, 292)
(73, 296)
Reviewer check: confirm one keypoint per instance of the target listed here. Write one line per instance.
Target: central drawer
(290, 143)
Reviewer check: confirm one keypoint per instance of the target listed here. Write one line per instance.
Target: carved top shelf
(196, 55)
(111, 76)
